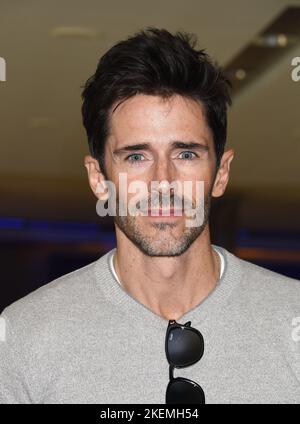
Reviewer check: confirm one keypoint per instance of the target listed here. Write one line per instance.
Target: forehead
(155, 119)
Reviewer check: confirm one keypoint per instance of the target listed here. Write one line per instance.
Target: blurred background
(48, 220)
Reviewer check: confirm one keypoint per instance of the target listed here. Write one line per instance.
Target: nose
(163, 174)
(163, 170)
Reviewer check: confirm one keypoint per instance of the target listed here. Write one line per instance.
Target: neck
(169, 286)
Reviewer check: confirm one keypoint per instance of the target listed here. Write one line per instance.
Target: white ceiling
(41, 130)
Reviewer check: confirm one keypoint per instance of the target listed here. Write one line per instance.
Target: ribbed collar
(209, 307)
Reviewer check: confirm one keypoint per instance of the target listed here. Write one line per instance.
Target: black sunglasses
(184, 347)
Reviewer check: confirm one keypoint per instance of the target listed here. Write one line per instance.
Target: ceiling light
(271, 40)
(240, 74)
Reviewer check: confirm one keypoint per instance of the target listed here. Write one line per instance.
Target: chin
(157, 250)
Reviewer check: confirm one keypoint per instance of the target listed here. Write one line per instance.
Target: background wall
(48, 220)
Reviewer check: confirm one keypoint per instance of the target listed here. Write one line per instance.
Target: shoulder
(265, 287)
(259, 274)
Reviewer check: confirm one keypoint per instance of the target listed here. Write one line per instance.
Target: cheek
(198, 188)
(131, 190)
(201, 175)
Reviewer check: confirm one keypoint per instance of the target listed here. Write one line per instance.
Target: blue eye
(186, 155)
(134, 157)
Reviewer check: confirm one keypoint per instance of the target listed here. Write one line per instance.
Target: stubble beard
(163, 242)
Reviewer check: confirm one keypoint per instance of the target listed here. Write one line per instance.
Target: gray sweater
(83, 339)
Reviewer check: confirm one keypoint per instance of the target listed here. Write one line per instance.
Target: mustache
(160, 201)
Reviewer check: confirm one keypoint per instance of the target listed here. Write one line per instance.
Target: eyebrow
(174, 145)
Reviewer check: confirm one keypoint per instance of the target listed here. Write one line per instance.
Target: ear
(222, 176)
(96, 178)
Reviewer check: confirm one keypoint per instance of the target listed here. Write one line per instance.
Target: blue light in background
(55, 231)
(11, 223)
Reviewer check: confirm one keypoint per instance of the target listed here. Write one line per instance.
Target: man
(165, 300)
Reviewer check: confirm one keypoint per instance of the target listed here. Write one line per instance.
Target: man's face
(155, 127)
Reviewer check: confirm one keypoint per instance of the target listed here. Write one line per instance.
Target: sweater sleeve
(13, 387)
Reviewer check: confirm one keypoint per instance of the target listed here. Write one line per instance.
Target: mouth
(164, 213)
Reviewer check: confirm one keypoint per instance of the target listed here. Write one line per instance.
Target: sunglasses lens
(184, 346)
(184, 391)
